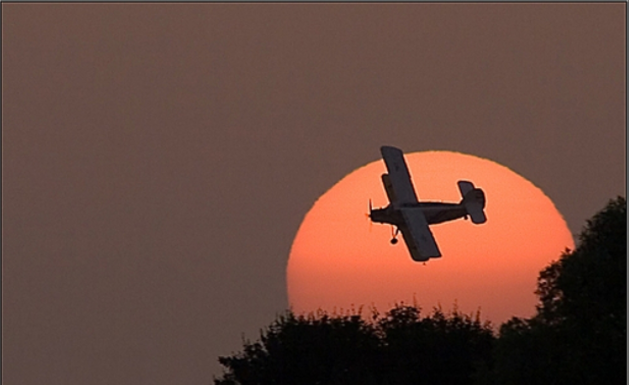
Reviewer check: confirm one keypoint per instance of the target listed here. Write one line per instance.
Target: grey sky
(158, 159)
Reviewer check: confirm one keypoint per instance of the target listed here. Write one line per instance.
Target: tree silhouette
(579, 332)
(439, 349)
(399, 348)
(578, 335)
(314, 349)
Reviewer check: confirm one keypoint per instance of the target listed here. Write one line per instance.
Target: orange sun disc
(339, 260)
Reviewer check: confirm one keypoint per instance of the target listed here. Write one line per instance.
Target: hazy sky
(158, 159)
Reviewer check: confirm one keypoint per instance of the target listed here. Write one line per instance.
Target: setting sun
(340, 260)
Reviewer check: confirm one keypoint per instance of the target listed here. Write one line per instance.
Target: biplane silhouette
(412, 217)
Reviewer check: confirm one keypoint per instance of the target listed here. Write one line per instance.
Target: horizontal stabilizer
(465, 187)
(477, 214)
(473, 200)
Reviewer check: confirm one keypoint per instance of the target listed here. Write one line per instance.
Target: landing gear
(394, 235)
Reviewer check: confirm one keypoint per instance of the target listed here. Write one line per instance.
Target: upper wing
(417, 235)
(388, 187)
(398, 175)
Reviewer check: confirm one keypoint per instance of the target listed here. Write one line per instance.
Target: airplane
(411, 217)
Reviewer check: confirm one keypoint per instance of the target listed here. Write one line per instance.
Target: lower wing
(418, 237)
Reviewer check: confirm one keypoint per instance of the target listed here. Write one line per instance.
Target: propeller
(368, 215)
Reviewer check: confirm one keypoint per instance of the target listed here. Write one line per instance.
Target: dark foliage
(308, 350)
(579, 333)
(438, 349)
(399, 348)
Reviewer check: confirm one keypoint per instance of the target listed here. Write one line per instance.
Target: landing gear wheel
(394, 235)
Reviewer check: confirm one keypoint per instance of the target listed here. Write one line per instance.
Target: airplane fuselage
(435, 212)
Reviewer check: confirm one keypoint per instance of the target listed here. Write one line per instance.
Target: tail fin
(473, 200)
